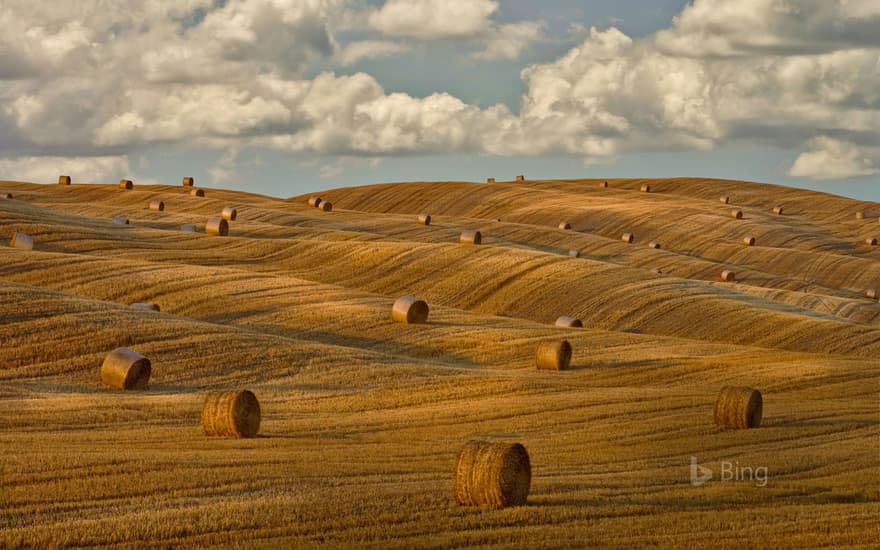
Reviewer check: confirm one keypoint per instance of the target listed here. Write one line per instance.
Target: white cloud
(834, 159)
(47, 169)
(432, 19)
(509, 41)
(370, 49)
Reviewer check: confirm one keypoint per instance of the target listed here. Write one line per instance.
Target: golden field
(363, 418)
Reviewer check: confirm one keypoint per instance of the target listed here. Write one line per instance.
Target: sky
(284, 97)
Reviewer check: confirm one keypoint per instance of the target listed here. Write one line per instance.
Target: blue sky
(283, 97)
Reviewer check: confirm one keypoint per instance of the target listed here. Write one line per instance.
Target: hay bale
(603, 185)
(231, 414)
(63, 180)
(126, 184)
(555, 355)
(739, 407)
(725, 199)
(749, 241)
(728, 276)
(409, 310)
(490, 180)
(492, 473)
(325, 206)
(520, 178)
(645, 188)
(197, 192)
(157, 205)
(496, 219)
(860, 215)
(777, 210)
(314, 202)
(7, 196)
(654, 244)
(121, 220)
(872, 293)
(736, 214)
(217, 226)
(564, 225)
(22, 241)
(189, 181)
(145, 305)
(125, 369)
(657, 271)
(574, 253)
(470, 236)
(628, 238)
(568, 322)
(425, 219)
(871, 241)
(229, 214)
(188, 227)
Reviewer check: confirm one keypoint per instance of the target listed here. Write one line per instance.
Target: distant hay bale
(520, 178)
(555, 355)
(872, 293)
(749, 241)
(739, 407)
(231, 414)
(126, 184)
(325, 206)
(574, 253)
(217, 226)
(197, 192)
(777, 210)
(189, 181)
(125, 369)
(470, 236)
(157, 205)
(860, 215)
(146, 305)
(63, 180)
(568, 322)
(725, 199)
(315, 201)
(7, 195)
(22, 241)
(564, 225)
(728, 276)
(657, 271)
(494, 474)
(229, 214)
(496, 219)
(425, 219)
(654, 244)
(604, 185)
(871, 241)
(736, 214)
(627, 238)
(490, 180)
(191, 228)
(409, 310)
(645, 188)
(121, 220)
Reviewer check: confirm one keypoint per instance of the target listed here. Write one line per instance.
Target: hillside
(363, 417)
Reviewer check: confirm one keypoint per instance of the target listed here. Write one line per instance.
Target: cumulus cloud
(509, 41)
(830, 158)
(47, 169)
(370, 49)
(433, 19)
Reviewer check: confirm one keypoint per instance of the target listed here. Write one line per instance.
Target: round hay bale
(725, 199)
(157, 205)
(121, 220)
(871, 241)
(860, 215)
(777, 210)
(7, 195)
(229, 213)
(188, 227)
(645, 188)
(217, 226)
(490, 180)
(872, 293)
(231, 414)
(470, 236)
(739, 407)
(657, 271)
(728, 276)
(569, 322)
(603, 185)
(490, 473)
(197, 192)
(125, 369)
(425, 219)
(574, 253)
(126, 184)
(145, 305)
(736, 214)
(496, 219)
(520, 178)
(749, 241)
(189, 181)
(325, 206)
(555, 355)
(409, 310)
(22, 241)
(63, 180)
(564, 225)
(654, 244)
(314, 202)
(628, 238)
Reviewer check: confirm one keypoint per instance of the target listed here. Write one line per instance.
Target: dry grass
(363, 418)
